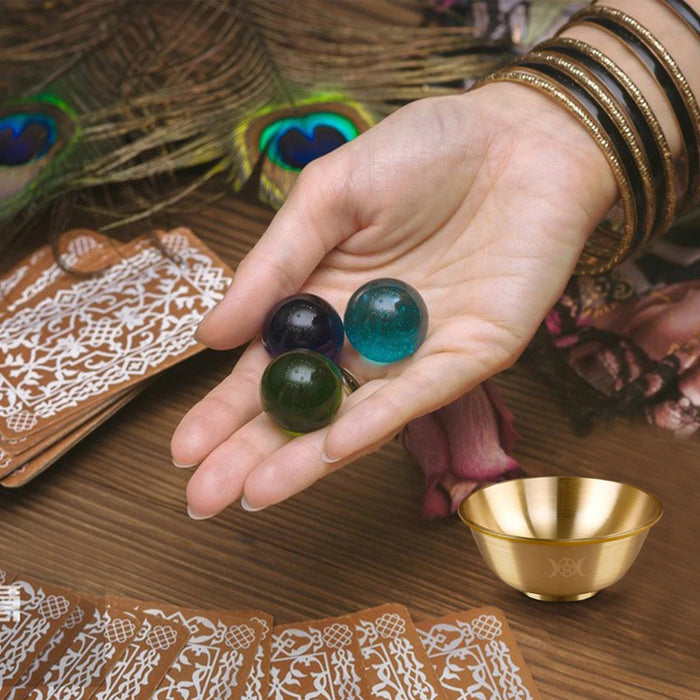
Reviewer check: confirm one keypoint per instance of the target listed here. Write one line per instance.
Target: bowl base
(560, 598)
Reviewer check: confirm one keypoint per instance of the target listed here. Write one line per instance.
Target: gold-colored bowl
(560, 538)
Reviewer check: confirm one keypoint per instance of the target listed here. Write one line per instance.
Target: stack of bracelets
(615, 113)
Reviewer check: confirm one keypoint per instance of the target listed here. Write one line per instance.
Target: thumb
(315, 218)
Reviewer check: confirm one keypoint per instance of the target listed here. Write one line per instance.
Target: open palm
(482, 202)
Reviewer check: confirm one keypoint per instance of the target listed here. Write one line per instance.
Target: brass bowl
(560, 538)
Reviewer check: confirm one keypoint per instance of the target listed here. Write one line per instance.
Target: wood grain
(110, 517)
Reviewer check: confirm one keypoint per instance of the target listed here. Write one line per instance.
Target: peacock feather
(289, 138)
(127, 106)
(36, 137)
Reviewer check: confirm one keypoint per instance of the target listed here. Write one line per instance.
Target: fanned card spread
(82, 334)
(64, 646)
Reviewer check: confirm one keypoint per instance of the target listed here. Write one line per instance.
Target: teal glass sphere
(301, 390)
(386, 320)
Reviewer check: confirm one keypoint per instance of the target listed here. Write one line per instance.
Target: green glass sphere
(301, 390)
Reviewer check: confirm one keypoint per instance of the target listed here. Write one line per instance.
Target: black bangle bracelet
(623, 149)
(686, 13)
(610, 20)
(663, 187)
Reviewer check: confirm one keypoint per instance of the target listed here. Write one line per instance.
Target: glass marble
(386, 320)
(303, 321)
(301, 390)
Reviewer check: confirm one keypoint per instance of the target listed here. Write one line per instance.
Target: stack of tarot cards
(84, 326)
(57, 644)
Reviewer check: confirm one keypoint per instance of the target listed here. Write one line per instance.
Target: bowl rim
(562, 541)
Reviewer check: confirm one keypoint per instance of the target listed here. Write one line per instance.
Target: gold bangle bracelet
(605, 248)
(668, 75)
(672, 185)
(640, 163)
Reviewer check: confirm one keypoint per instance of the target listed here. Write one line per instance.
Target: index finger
(311, 222)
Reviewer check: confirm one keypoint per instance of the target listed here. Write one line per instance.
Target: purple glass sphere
(303, 322)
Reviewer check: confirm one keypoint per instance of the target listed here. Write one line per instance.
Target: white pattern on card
(256, 677)
(399, 672)
(76, 248)
(475, 649)
(8, 283)
(320, 655)
(74, 619)
(209, 664)
(75, 675)
(134, 669)
(19, 641)
(105, 332)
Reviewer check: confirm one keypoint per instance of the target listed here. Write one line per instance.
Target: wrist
(527, 114)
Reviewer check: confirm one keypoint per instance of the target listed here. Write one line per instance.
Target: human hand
(481, 201)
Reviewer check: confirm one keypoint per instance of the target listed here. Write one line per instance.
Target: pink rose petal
(436, 502)
(506, 432)
(426, 440)
(457, 489)
(553, 322)
(473, 437)
(461, 446)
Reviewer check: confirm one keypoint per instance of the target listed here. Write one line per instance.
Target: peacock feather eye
(290, 138)
(25, 137)
(35, 136)
(293, 142)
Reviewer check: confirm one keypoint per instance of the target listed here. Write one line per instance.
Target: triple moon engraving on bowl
(566, 567)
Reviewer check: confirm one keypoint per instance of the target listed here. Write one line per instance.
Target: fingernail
(194, 515)
(202, 322)
(246, 506)
(180, 465)
(327, 459)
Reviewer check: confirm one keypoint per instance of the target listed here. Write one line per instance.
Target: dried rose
(460, 447)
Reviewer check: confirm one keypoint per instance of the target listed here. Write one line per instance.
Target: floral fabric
(633, 336)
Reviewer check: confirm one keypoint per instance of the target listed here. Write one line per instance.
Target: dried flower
(461, 446)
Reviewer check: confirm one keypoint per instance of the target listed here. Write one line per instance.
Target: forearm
(626, 73)
(673, 33)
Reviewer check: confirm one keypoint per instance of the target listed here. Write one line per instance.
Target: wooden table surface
(110, 517)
